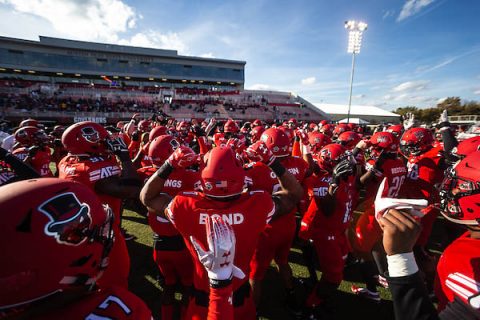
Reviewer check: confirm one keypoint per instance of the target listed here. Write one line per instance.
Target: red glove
(302, 135)
(259, 152)
(182, 157)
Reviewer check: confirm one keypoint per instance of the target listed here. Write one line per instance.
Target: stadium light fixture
(127, 78)
(355, 34)
(164, 79)
(151, 79)
(78, 75)
(17, 70)
(31, 71)
(59, 74)
(3, 69)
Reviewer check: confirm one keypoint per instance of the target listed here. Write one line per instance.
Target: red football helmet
(257, 122)
(330, 156)
(29, 123)
(55, 236)
(256, 133)
(416, 141)
(383, 141)
(288, 131)
(339, 129)
(396, 129)
(312, 127)
(460, 191)
(277, 141)
(85, 137)
(230, 126)
(466, 147)
(327, 129)
(29, 136)
(348, 139)
(223, 174)
(157, 132)
(57, 131)
(292, 123)
(182, 127)
(161, 148)
(317, 141)
(144, 125)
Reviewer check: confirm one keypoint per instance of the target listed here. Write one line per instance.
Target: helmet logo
(381, 139)
(69, 218)
(90, 134)
(208, 186)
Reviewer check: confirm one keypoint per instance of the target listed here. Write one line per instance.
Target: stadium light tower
(355, 33)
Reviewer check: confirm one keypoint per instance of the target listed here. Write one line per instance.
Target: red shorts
(367, 232)
(274, 243)
(332, 249)
(175, 266)
(118, 266)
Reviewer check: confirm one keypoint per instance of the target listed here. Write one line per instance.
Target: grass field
(345, 305)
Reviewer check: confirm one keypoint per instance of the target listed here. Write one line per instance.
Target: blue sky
(415, 52)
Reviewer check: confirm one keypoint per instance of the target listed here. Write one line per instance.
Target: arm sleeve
(449, 141)
(410, 298)
(220, 306)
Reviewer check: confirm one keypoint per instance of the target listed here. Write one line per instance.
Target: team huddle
(224, 199)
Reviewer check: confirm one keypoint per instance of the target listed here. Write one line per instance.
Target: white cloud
(308, 81)
(359, 96)
(411, 86)
(477, 92)
(388, 13)
(155, 39)
(412, 7)
(207, 55)
(94, 20)
(441, 100)
(259, 86)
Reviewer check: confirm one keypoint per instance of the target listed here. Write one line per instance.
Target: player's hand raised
(218, 258)
(182, 157)
(400, 231)
(259, 152)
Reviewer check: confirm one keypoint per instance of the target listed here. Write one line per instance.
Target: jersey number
(395, 186)
(412, 171)
(105, 304)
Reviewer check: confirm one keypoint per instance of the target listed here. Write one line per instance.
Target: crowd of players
(224, 200)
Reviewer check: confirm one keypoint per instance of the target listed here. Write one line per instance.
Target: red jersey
(260, 179)
(90, 169)
(458, 273)
(112, 303)
(395, 172)
(40, 162)
(178, 181)
(247, 214)
(424, 172)
(345, 202)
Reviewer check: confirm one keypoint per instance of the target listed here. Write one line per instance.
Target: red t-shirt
(179, 180)
(247, 214)
(395, 172)
(458, 272)
(112, 303)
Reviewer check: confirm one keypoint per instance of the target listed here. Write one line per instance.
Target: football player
(92, 161)
(33, 149)
(223, 195)
(333, 192)
(169, 250)
(383, 163)
(276, 240)
(56, 239)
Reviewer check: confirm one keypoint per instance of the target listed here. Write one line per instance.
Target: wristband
(401, 264)
(277, 168)
(218, 284)
(165, 170)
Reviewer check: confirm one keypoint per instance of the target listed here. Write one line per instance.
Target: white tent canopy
(354, 120)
